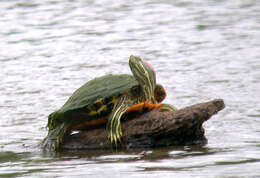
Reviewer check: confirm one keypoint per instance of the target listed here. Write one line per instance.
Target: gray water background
(201, 50)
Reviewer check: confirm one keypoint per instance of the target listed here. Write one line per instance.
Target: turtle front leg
(114, 125)
(168, 107)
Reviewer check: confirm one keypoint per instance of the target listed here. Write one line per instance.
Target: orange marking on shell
(87, 124)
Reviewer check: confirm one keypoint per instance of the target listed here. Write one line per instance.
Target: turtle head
(145, 75)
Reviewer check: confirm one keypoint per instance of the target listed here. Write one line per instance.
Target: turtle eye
(151, 68)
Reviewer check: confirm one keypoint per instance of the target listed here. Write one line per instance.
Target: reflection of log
(153, 129)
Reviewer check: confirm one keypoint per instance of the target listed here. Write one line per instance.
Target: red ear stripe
(150, 67)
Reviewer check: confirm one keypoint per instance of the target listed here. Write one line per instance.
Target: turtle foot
(55, 138)
(115, 134)
(168, 107)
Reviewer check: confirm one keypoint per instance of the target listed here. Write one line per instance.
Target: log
(152, 129)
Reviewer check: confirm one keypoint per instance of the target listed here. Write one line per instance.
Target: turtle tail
(54, 119)
(55, 137)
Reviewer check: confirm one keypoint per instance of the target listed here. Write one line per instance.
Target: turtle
(104, 100)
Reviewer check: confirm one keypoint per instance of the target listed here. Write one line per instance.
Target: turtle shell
(99, 89)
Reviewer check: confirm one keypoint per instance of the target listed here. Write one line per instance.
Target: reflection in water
(200, 51)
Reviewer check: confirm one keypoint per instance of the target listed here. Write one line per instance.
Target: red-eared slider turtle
(104, 100)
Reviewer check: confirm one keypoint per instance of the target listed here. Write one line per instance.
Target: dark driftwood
(153, 129)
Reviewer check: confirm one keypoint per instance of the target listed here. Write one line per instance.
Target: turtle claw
(114, 139)
(113, 125)
(115, 133)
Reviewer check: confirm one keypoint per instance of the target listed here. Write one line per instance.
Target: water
(201, 50)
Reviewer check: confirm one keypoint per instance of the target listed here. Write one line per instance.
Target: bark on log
(152, 129)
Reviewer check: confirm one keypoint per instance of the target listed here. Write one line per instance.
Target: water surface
(200, 51)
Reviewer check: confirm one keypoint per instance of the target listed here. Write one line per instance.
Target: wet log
(152, 129)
